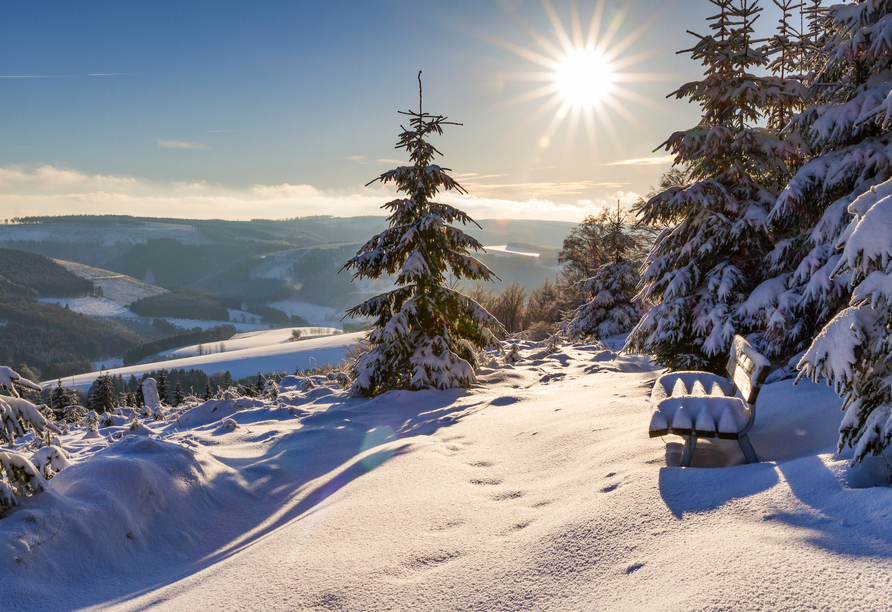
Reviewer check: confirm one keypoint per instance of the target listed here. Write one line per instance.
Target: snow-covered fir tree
(425, 333)
(852, 171)
(103, 397)
(613, 307)
(850, 153)
(703, 267)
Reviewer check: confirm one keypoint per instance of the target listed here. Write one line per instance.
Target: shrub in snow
(425, 334)
(50, 460)
(18, 416)
(151, 400)
(21, 479)
(847, 128)
(854, 351)
(704, 266)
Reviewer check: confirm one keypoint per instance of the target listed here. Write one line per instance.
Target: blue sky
(281, 109)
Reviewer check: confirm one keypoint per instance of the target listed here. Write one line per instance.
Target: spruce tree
(178, 396)
(705, 266)
(425, 333)
(163, 387)
(852, 129)
(612, 307)
(104, 397)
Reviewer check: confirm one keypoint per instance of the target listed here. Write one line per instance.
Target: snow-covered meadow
(243, 355)
(537, 489)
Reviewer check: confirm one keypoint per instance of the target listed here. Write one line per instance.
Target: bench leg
(690, 444)
(747, 448)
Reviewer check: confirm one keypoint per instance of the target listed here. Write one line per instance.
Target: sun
(584, 69)
(584, 78)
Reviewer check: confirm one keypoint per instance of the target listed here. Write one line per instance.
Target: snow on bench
(703, 405)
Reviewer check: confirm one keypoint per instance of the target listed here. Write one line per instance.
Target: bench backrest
(747, 369)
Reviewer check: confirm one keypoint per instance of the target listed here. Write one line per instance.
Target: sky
(276, 109)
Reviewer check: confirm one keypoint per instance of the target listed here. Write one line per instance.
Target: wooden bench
(703, 405)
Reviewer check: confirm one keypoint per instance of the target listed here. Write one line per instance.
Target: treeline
(198, 336)
(185, 303)
(21, 269)
(82, 220)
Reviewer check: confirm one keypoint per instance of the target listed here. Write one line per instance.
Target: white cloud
(398, 162)
(181, 144)
(643, 161)
(47, 190)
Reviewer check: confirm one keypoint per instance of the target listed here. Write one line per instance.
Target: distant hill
(20, 270)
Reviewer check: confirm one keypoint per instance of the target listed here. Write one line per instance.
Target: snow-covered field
(95, 306)
(538, 489)
(118, 288)
(254, 339)
(257, 356)
(322, 316)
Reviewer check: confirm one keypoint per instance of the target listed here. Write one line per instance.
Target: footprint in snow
(486, 481)
(507, 495)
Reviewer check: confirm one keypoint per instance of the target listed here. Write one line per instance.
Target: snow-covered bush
(18, 416)
(50, 460)
(21, 479)
(425, 333)
(707, 263)
(152, 404)
(9, 380)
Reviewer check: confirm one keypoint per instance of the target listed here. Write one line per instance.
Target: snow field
(538, 489)
(254, 339)
(257, 356)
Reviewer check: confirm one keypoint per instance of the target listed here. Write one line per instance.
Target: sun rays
(579, 74)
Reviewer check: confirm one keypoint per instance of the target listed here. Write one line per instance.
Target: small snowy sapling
(425, 334)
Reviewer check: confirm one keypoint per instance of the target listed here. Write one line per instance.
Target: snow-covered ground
(253, 339)
(95, 306)
(261, 357)
(538, 489)
(118, 288)
(322, 316)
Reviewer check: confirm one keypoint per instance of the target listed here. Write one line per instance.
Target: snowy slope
(539, 489)
(118, 288)
(284, 357)
(254, 339)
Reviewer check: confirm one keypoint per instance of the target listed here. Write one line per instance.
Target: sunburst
(585, 73)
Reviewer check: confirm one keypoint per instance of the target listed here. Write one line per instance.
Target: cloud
(49, 190)
(356, 158)
(538, 189)
(399, 162)
(181, 144)
(643, 161)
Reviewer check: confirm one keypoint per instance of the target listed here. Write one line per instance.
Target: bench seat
(678, 384)
(703, 416)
